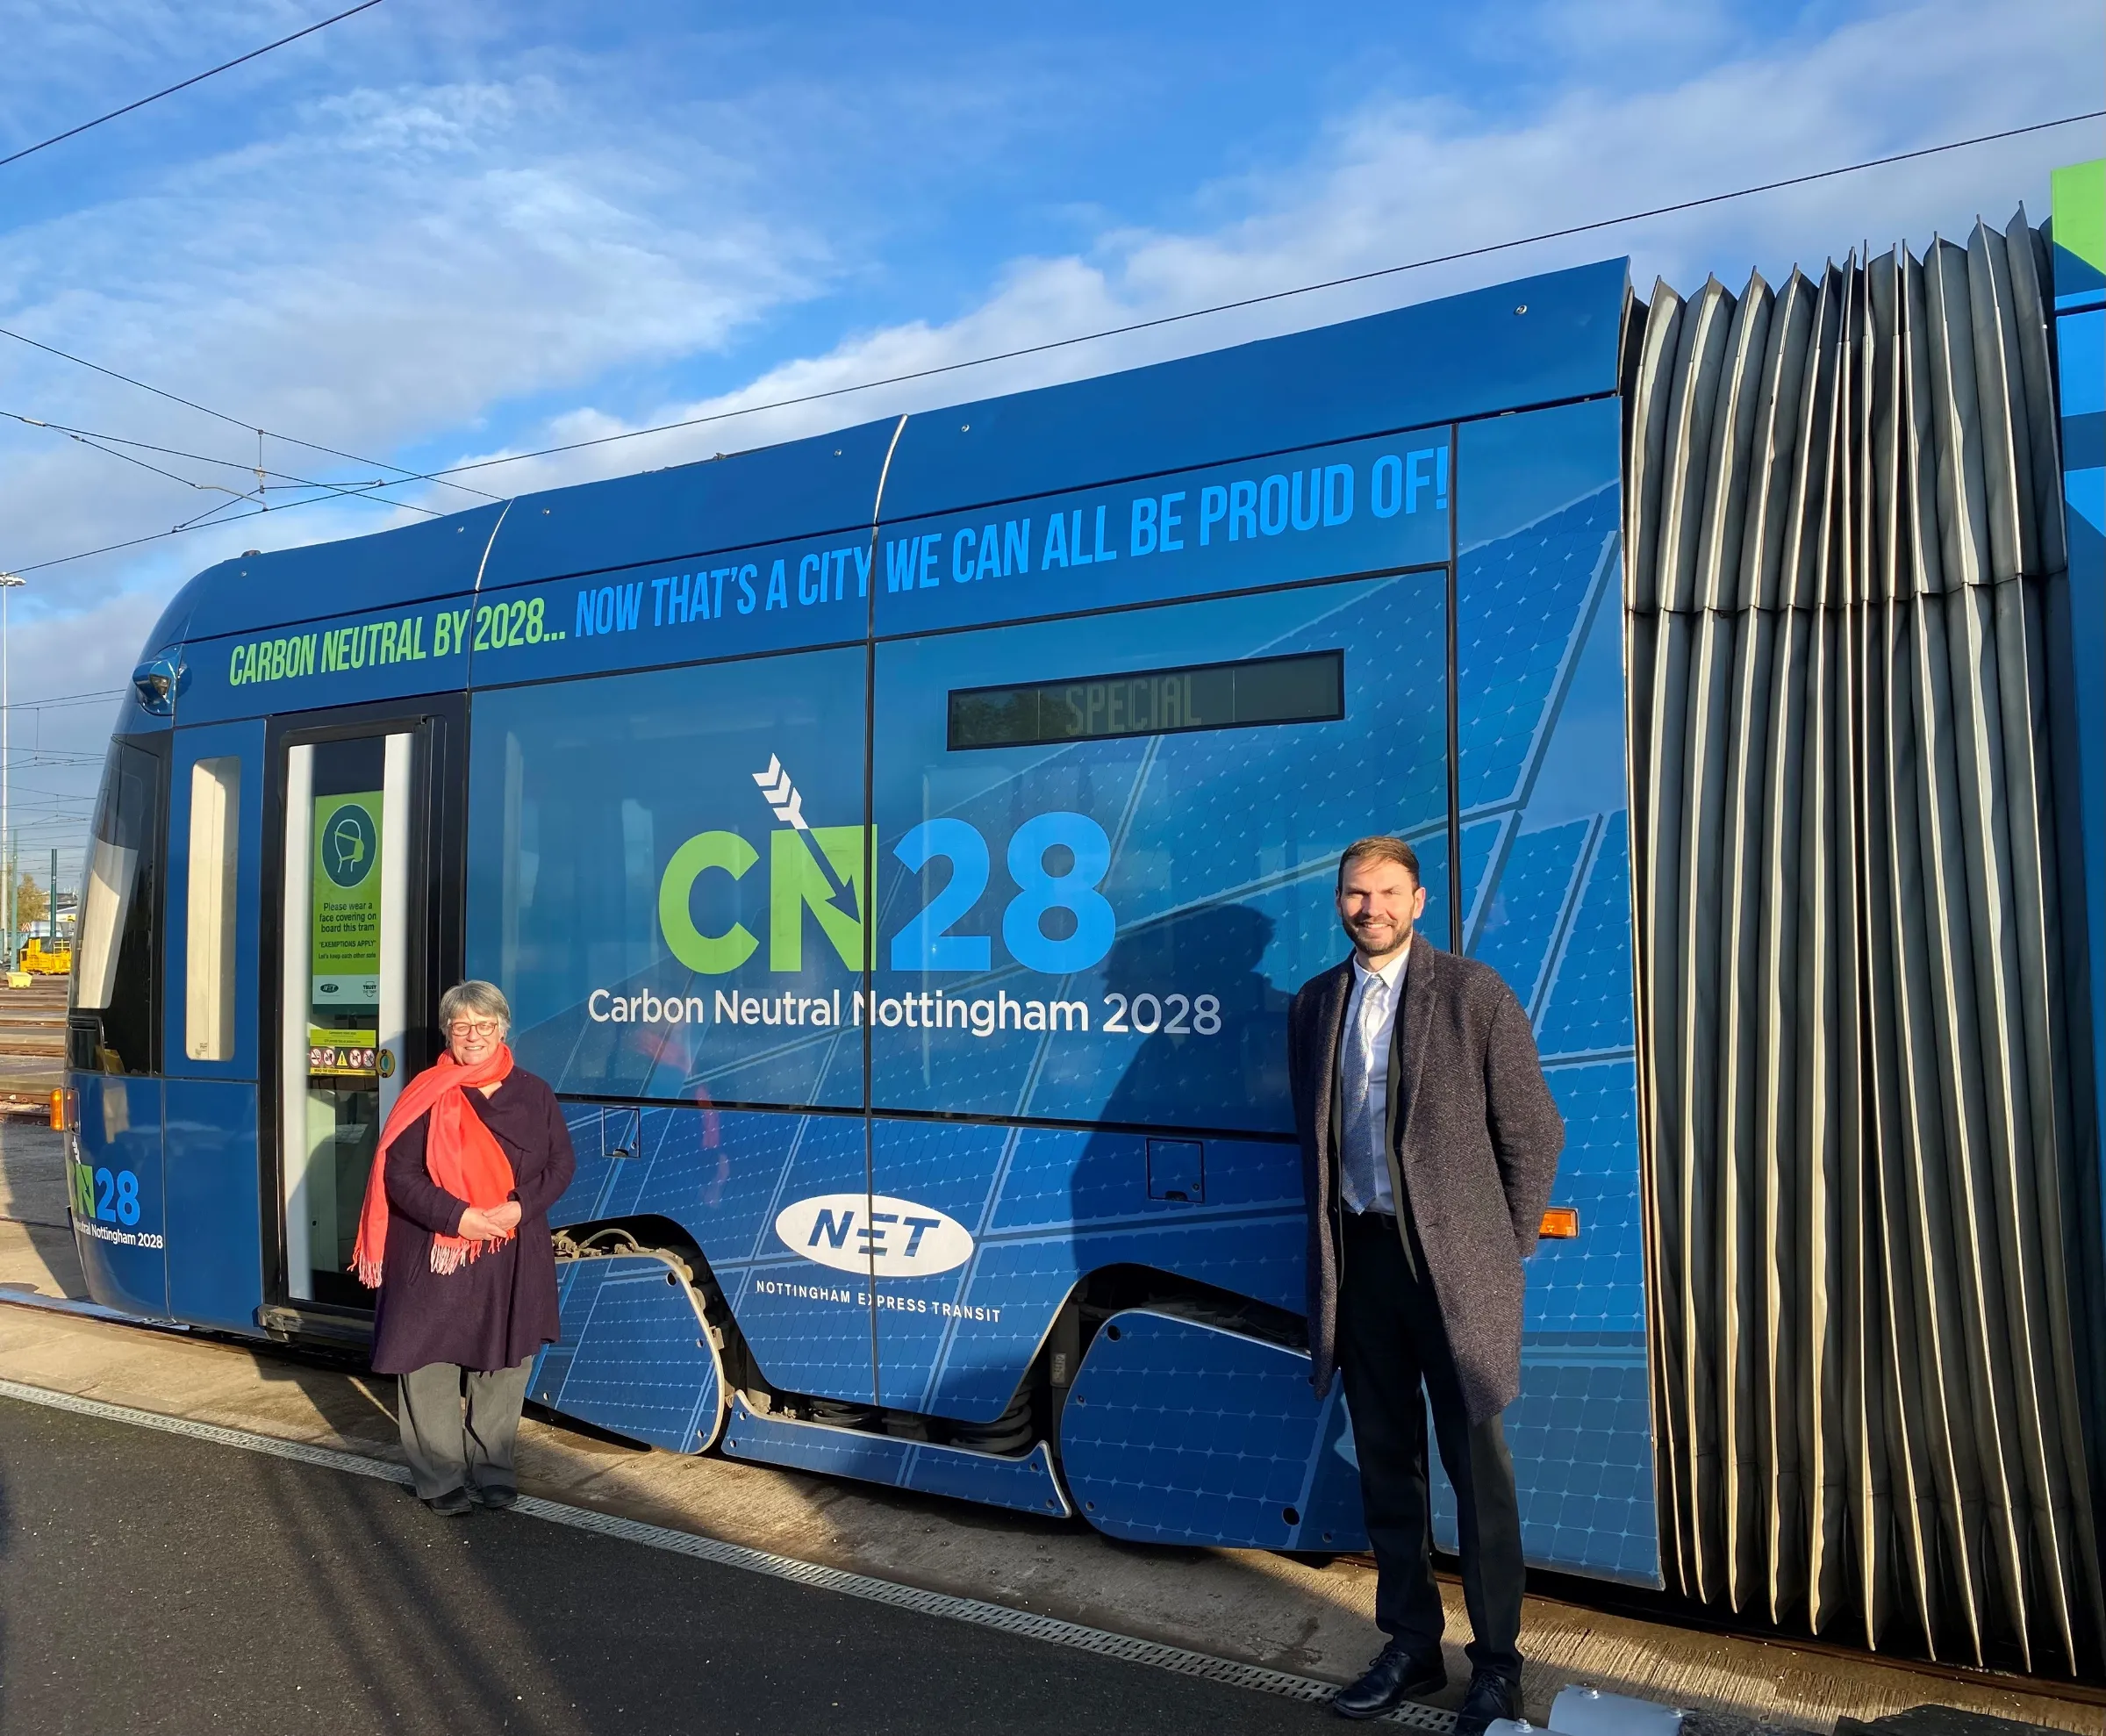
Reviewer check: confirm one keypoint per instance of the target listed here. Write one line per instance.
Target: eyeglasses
(475, 1028)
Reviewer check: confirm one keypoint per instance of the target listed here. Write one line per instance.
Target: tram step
(1028, 1484)
(1154, 1454)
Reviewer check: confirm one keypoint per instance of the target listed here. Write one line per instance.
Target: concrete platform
(1246, 1606)
(36, 1253)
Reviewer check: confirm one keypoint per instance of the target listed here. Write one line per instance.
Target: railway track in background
(33, 1046)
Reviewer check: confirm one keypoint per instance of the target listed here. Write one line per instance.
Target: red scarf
(461, 1155)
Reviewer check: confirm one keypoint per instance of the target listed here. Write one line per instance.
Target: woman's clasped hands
(488, 1226)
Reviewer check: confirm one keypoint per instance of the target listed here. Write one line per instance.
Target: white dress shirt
(1371, 1021)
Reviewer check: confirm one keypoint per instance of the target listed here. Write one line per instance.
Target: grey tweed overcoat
(1473, 1141)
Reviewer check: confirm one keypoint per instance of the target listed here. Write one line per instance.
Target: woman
(456, 1223)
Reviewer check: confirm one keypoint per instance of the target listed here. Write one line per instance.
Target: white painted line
(327, 1458)
(1049, 1629)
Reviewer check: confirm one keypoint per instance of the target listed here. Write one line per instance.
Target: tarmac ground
(163, 1585)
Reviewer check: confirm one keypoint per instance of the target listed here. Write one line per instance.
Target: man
(1428, 1142)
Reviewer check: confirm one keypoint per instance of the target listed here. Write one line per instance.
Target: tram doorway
(361, 843)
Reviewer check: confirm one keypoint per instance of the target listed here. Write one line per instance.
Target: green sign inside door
(346, 900)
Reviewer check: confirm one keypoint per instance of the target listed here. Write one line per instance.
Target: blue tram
(897, 847)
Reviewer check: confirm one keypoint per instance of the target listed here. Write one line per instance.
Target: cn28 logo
(105, 1196)
(874, 1234)
(1056, 861)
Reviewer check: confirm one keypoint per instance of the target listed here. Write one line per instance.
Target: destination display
(1152, 702)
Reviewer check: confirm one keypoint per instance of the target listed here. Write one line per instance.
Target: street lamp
(9, 581)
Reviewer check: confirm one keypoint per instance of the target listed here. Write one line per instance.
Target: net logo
(873, 1235)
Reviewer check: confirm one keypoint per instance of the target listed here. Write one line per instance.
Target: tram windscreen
(1306, 689)
(111, 1027)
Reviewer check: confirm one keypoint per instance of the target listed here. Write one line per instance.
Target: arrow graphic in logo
(781, 795)
(788, 802)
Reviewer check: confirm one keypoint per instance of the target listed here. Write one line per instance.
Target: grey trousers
(451, 1445)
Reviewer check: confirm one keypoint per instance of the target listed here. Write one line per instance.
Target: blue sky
(435, 232)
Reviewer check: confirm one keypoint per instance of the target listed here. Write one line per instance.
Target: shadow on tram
(1186, 1074)
(1196, 1075)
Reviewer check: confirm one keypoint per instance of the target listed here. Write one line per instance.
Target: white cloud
(1400, 178)
(398, 266)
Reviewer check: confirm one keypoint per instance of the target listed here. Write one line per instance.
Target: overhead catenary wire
(196, 78)
(89, 696)
(53, 818)
(247, 466)
(1593, 227)
(402, 474)
(179, 530)
(108, 443)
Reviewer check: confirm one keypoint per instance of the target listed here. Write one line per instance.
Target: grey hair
(485, 999)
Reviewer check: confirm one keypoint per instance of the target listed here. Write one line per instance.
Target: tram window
(208, 1023)
(1175, 885)
(1309, 688)
(111, 1026)
(664, 874)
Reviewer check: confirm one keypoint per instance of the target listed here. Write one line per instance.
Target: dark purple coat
(495, 1311)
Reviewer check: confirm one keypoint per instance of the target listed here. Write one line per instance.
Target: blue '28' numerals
(922, 944)
(926, 943)
(118, 1200)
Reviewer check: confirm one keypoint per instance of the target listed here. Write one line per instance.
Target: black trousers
(1391, 1345)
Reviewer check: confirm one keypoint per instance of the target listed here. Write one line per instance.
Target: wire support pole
(10, 583)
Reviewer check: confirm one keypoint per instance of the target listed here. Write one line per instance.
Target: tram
(899, 847)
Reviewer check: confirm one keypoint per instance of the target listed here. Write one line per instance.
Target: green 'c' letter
(713, 955)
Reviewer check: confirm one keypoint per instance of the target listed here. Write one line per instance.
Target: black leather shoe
(495, 1497)
(1395, 1676)
(452, 1504)
(1490, 1696)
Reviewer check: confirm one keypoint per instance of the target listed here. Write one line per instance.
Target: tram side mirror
(157, 682)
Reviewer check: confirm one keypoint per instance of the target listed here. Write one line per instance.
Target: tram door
(364, 820)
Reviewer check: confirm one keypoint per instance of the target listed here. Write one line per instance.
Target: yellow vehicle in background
(38, 962)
